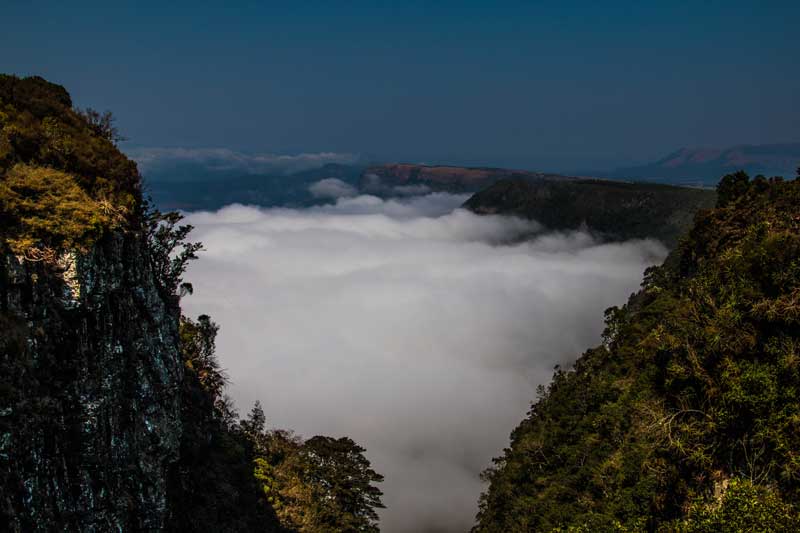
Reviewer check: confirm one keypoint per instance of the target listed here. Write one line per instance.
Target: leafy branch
(170, 252)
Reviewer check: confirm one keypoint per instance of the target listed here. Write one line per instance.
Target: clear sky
(535, 84)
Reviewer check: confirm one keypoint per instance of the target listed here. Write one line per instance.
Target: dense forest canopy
(686, 417)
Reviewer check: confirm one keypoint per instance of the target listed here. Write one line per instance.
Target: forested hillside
(112, 408)
(687, 417)
(615, 210)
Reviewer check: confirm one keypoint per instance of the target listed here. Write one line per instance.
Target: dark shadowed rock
(90, 415)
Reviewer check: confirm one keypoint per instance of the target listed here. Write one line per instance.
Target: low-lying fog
(411, 326)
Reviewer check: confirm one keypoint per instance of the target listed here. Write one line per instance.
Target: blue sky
(550, 85)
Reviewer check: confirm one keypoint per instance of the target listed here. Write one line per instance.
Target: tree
(102, 124)
(344, 481)
(731, 187)
(198, 346)
(256, 421)
(320, 485)
(743, 507)
(212, 486)
(170, 252)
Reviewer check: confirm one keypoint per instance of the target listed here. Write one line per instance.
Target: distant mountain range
(705, 166)
(213, 178)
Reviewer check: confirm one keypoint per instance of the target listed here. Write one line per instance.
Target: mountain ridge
(704, 166)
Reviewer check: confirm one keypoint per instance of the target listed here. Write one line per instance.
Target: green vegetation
(64, 186)
(62, 179)
(50, 210)
(211, 487)
(743, 506)
(616, 210)
(687, 417)
(238, 476)
(319, 485)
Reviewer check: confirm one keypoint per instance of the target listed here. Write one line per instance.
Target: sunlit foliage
(63, 182)
(45, 208)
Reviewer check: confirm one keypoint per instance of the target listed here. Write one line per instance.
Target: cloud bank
(406, 324)
(331, 188)
(156, 161)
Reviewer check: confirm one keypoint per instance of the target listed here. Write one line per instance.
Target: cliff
(90, 371)
(113, 412)
(615, 210)
(90, 390)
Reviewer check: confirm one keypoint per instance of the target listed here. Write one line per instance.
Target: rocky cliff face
(90, 379)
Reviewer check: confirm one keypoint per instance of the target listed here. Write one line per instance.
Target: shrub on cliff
(43, 208)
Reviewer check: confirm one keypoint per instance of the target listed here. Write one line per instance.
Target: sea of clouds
(417, 328)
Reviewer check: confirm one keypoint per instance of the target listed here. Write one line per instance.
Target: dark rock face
(90, 379)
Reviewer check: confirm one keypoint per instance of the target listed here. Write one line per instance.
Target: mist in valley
(417, 328)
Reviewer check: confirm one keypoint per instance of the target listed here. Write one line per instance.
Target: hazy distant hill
(268, 190)
(189, 186)
(617, 210)
(704, 166)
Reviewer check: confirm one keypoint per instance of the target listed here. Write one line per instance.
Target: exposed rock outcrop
(90, 379)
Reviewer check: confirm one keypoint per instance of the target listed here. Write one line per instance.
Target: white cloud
(405, 325)
(331, 188)
(373, 184)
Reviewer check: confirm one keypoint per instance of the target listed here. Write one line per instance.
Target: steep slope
(703, 166)
(113, 415)
(89, 407)
(617, 210)
(686, 418)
